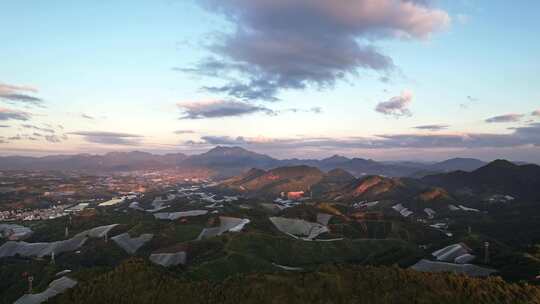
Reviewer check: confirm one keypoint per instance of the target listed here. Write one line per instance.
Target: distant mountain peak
(336, 158)
(225, 150)
(461, 158)
(501, 163)
(458, 163)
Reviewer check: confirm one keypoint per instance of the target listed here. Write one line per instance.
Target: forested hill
(137, 282)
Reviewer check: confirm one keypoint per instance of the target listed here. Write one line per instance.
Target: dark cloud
(4, 126)
(505, 118)
(523, 136)
(7, 114)
(536, 113)
(432, 127)
(527, 135)
(110, 138)
(220, 108)
(19, 94)
(255, 89)
(224, 140)
(283, 44)
(396, 106)
(228, 108)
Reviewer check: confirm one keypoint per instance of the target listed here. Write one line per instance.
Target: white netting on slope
(129, 244)
(56, 287)
(298, 227)
(168, 259)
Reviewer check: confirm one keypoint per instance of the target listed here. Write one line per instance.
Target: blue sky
(134, 75)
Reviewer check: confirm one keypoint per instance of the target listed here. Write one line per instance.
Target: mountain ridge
(225, 161)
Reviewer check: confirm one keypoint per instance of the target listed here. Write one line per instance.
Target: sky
(383, 79)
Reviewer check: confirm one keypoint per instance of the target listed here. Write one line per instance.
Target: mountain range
(499, 177)
(225, 162)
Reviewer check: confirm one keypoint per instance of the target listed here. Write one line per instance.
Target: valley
(274, 222)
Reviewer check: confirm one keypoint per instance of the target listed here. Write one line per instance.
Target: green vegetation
(255, 252)
(231, 267)
(135, 281)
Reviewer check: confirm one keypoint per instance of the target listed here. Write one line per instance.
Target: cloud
(52, 138)
(470, 100)
(432, 127)
(220, 108)
(314, 110)
(213, 140)
(85, 116)
(528, 135)
(28, 126)
(224, 140)
(536, 113)
(14, 93)
(179, 132)
(396, 106)
(4, 126)
(283, 44)
(7, 114)
(110, 138)
(522, 136)
(505, 118)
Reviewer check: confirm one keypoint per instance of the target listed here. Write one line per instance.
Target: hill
(229, 161)
(337, 184)
(333, 181)
(275, 181)
(497, 177)
(457, 164)
(375, 188)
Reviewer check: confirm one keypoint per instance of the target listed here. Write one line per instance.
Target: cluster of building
(26, 195)
(53, 212)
